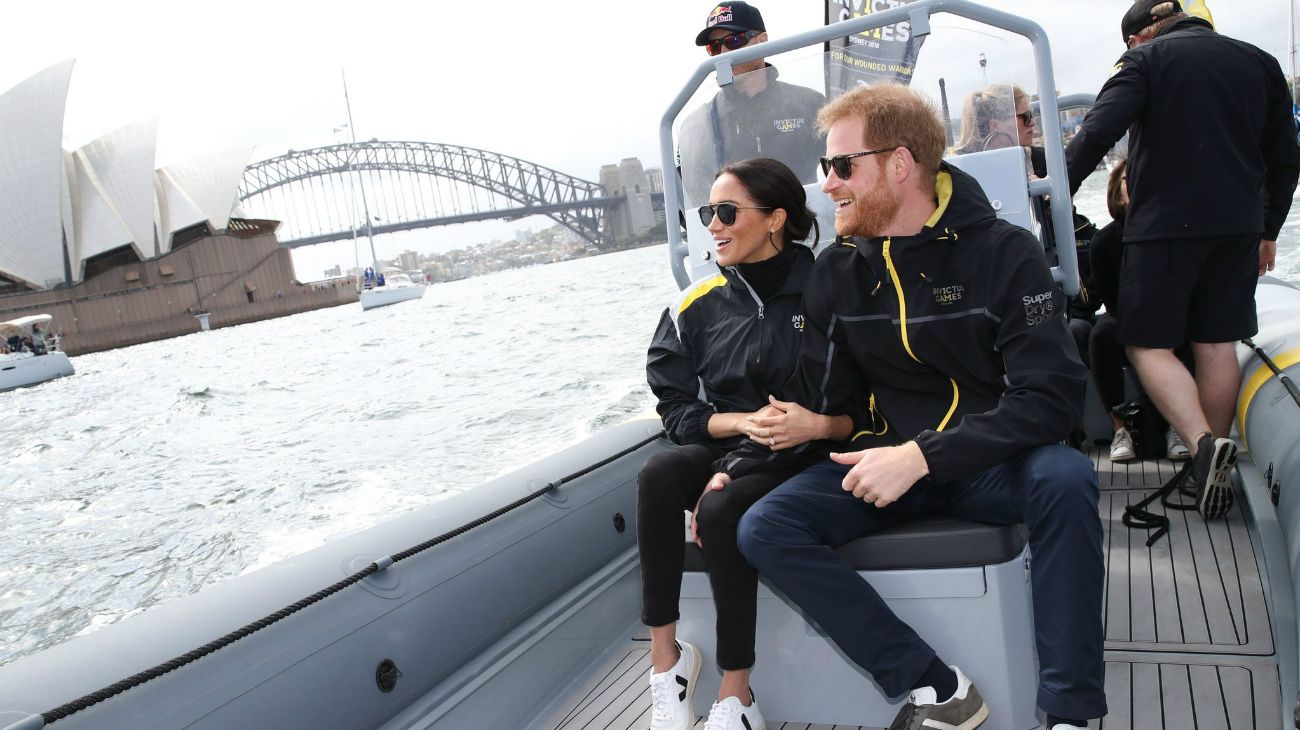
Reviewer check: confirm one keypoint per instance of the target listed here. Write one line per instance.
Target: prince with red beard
(949, 319)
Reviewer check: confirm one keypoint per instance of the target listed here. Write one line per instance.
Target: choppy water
(162, 468)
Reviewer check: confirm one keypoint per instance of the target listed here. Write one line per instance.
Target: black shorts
(1188, 290)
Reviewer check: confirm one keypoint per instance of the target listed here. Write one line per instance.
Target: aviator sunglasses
(1027, 118)
(726, 212)
(730, 42)
(843, 164)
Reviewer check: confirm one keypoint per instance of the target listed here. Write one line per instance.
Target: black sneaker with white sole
(1212, 474)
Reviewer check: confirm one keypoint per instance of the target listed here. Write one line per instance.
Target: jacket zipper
(758, 356)
(902, 326)
(884, 425)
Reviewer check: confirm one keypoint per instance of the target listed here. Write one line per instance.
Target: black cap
(731, 16)
(1144, 13)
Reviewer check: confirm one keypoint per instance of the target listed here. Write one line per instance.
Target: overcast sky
(571, 84)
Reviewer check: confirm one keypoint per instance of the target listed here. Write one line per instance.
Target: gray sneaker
(1121, 446)
(965, 710)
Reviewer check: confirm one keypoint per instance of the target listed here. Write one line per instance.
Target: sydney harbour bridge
(319, 194)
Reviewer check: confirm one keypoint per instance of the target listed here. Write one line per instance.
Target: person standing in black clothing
(1210, 127)
(721, 350)
(755, 116)
(1106, 354)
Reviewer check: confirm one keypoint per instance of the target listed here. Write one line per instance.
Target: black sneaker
(965, 710)
(1212, 473)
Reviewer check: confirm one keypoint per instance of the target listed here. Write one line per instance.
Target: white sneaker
(1175, 449)
(1121, 446)
(730, 714)
(670, 691)
(1063, 726)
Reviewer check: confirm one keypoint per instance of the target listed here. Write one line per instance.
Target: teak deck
(1188, 639)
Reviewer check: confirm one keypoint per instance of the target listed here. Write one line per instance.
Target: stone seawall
(235, 279)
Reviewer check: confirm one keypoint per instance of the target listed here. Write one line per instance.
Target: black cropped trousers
(669, 486)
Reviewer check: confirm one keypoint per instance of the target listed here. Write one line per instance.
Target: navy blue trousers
(790, 534)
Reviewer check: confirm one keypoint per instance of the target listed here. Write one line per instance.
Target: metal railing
(918, 13)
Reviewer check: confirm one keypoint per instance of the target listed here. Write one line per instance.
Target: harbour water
(160, 469)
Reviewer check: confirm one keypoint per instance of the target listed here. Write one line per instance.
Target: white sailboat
(379, 290)
(396, 288)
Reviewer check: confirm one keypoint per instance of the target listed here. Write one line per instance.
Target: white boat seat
(1003, 175)
(962, 585)
(925, 544)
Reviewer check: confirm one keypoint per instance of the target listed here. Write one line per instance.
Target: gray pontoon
(517, 604)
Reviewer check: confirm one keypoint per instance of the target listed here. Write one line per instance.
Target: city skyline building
(628, 178)
(655, 176)
(409, 260)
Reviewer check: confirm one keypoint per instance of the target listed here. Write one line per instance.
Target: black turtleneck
(767, 276)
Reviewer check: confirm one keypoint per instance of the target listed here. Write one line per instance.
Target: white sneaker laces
(661, 697)
(721, 716)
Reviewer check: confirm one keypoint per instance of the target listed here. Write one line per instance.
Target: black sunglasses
(730, 42)
(726, 212)
(843, 164)
(1027, 118)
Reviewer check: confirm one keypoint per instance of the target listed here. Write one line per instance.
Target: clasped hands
(879, 476)
(783, 425)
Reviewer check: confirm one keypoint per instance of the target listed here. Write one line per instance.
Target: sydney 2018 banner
(884, 54)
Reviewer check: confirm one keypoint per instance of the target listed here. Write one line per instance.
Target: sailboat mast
(365, 208)
(352, 189)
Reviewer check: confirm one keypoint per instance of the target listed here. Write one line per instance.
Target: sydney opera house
(121, 251)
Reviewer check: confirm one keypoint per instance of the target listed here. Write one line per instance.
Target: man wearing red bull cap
(755, 116)
(1210, 136)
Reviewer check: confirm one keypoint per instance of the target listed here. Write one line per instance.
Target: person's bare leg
(663, 647)
(1218, 379)
(735, 683)
(1172, 389)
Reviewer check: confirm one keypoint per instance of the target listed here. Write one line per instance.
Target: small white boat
(396, 288)
(19, 369)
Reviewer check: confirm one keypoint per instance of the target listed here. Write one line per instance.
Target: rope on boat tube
(1281, 376)
(45, 718)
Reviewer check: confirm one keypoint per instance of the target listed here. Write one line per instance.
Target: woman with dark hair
(725, 346)
(1105, 353)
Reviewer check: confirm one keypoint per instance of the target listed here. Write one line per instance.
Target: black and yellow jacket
(720, 349)
(957, 334)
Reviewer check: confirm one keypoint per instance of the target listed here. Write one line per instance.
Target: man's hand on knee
(719, 480)
(882, 476)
